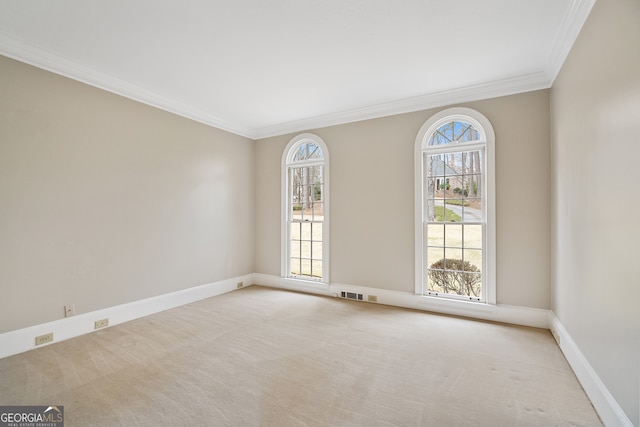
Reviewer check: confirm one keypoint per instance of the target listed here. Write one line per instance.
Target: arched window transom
(453, 132)
(306, 150)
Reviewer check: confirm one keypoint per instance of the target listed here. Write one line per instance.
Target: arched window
(305, 218)
(455, 207)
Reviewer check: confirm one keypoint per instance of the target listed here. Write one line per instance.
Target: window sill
(453, 306)
(305, 285)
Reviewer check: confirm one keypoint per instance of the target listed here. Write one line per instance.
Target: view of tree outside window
(306, 212)
(454, 212)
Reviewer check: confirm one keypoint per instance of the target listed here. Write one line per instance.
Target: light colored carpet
(261, 356)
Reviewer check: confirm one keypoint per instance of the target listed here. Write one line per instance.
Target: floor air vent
(351, 295)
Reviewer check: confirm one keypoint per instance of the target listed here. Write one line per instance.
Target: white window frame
(287, 163)
(487, 143)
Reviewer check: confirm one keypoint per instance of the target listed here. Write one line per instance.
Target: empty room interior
(321, 213)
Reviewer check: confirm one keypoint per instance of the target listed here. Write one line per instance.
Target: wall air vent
(351, 295)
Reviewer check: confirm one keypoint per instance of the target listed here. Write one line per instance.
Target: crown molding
(574, 20)
(504, 87)
(29, 54)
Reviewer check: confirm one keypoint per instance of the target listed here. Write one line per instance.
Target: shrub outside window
(455, 250)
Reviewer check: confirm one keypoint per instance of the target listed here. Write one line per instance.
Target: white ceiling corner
(261, 69)
(40, 58)
(575, 17)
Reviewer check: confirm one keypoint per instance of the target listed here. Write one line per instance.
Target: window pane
(453, 259)
(295, 266)
(473, 236)
(453, 235)
(318, 211)
(305, 267)
(435, 234)
(317, 231)
(437, 166)
(445, 213)
(316, 269)
(305, 248)
(456, 163)
(475, 185)
(316, 250)
(472, 284)
(317, 191)
(473, 260)
(295, 248)
(430, 210)
(432, 184)
(434, 176)
(455, 203)
(305, 231)
(472, 210)
(454, 132)
(307, 151)
(295, 230)
(296, 215)
(436, 280)
(433, 256)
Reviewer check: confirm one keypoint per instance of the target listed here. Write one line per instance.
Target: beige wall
(372, 199)
(104, 200)
(596, 150)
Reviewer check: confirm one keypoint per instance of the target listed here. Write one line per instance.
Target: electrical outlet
(69, 310)
(372, 298)
(43, 339)
(239, 285)
(101, 323)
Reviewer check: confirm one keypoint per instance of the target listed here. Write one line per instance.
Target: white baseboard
(607, 407)
(525, 316)
(21, 340)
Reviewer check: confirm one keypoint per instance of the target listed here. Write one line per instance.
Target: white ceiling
(267, 67)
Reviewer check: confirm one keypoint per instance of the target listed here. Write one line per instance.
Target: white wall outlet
(69, 310)
(239, 285)
(43, 339)
(372, 298)
(101, 323)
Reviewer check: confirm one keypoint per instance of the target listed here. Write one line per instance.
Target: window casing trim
(487, 142)
(287, 163)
